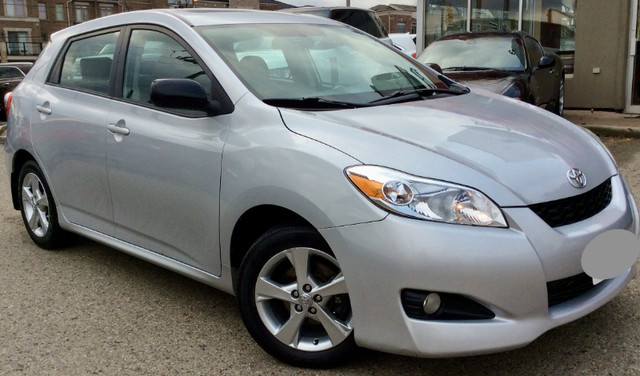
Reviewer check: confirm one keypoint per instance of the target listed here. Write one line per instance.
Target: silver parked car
(347, 194)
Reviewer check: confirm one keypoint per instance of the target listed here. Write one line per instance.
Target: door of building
(633, 80)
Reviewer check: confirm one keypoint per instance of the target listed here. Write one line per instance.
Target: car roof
(193, 17)
(24, 66)
(306, 9)
(17, 64)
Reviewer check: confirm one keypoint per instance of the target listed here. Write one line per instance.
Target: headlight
(422, 198)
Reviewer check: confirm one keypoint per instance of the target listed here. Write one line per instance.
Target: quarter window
(153, 55)
(87, 63)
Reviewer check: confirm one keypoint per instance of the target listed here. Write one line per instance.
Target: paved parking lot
(91, 310)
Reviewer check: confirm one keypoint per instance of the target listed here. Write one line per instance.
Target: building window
(18, 43)
(15, 8)
(42, 11)
(82, 12)
(106, 10)
(495, 15)
(401, 27)
(59, 12)
(551, 23)
(444, 17)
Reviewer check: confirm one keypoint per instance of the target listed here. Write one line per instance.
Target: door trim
(633, 24)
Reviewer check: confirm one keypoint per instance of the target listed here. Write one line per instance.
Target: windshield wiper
(312, 102)
(413, 94)
(465, 69)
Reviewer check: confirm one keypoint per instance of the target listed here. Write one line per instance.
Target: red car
(10, 76)
(510, 63)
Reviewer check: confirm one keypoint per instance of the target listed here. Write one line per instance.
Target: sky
(354, 3)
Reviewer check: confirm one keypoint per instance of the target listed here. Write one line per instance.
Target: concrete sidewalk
(602, 123)
(606, 123)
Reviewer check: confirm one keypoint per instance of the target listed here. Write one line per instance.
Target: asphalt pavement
(91, 310)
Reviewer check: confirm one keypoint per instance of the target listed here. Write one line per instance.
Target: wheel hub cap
(306, 300)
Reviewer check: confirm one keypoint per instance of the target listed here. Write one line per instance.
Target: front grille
(568, 288)
(574, 209)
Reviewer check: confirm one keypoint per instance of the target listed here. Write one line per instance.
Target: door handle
(43, 110)
(5, 85)
(113, 128)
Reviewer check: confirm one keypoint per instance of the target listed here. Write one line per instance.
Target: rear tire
(38, 208)
(293, 299)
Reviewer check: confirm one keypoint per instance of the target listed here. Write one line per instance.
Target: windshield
(303, 61)
(493, 52)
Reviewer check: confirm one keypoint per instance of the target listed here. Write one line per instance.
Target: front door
(164, 166)
(633, 81)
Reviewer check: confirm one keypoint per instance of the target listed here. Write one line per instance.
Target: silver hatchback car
(348, 195)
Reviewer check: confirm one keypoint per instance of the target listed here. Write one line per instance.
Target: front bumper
(506, 270)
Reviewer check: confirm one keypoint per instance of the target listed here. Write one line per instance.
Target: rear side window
(10, 72)
(87, 63)
(365, 21)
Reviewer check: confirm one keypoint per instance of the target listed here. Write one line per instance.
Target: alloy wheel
(301, 298)
(35, 204)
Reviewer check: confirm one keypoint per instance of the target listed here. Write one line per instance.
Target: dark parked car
(363, 19)
(10, 76)
(510, 63)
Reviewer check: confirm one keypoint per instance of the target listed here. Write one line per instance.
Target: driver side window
(535, 52)
(153, 55)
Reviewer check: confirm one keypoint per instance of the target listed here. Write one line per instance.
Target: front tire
(38, 208)
(293, 299)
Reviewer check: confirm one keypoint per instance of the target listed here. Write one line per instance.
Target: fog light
(431, 303)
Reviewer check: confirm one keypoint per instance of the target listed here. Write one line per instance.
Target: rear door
(164, 165)
(68, 130)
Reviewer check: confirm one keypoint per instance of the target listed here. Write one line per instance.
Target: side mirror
(546, 62)
(179, 93)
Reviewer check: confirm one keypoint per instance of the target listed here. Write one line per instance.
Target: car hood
(494, 81)
(513, 152)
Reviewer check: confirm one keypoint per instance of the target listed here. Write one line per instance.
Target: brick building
(25, 25)
(397, 18)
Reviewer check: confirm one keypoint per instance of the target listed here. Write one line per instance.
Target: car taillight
(7, 102)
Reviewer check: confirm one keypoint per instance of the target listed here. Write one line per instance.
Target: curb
(613, 131)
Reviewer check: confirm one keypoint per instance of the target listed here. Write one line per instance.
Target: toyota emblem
(577, 179)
